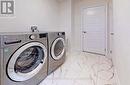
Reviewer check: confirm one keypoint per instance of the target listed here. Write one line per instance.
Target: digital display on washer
(43, 35)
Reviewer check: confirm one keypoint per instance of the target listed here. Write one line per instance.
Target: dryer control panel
(61, 33)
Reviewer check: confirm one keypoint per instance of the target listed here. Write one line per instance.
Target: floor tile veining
(83, 69)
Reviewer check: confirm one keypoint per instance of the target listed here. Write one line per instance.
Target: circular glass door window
(27, 61)
(58, 48)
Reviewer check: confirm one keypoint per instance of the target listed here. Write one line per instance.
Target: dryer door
(58, 48)
(27, 61)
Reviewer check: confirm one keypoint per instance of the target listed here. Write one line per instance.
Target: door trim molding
(107, 23)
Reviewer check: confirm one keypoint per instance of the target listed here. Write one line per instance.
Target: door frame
(107, 27)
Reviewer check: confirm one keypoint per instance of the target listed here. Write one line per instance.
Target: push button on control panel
(60, 34)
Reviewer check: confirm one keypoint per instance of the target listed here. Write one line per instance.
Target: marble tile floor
(83, 69)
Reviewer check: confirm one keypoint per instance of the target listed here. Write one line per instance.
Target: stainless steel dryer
(56, 50)
(23, 58)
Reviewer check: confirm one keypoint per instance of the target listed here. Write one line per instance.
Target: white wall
(48, 15)
(122, 39)
(43, 13)
(66, 20)
(76, 31)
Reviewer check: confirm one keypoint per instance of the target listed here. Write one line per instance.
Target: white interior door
(94, 29)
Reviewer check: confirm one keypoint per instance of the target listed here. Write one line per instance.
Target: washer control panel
(61, 33)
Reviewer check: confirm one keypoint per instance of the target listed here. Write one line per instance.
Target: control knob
(32, 37)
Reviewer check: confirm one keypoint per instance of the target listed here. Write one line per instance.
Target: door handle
(112, 33)
(84, 32)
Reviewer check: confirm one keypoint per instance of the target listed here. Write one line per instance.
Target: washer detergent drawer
(9, 40)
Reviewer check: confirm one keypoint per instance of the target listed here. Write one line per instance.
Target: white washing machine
(23, 58)
(56, 55)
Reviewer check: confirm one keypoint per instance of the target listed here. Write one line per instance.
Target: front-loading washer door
(27, 61)
(58, 48)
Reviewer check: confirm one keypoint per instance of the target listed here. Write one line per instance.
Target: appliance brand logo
(7, 7)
